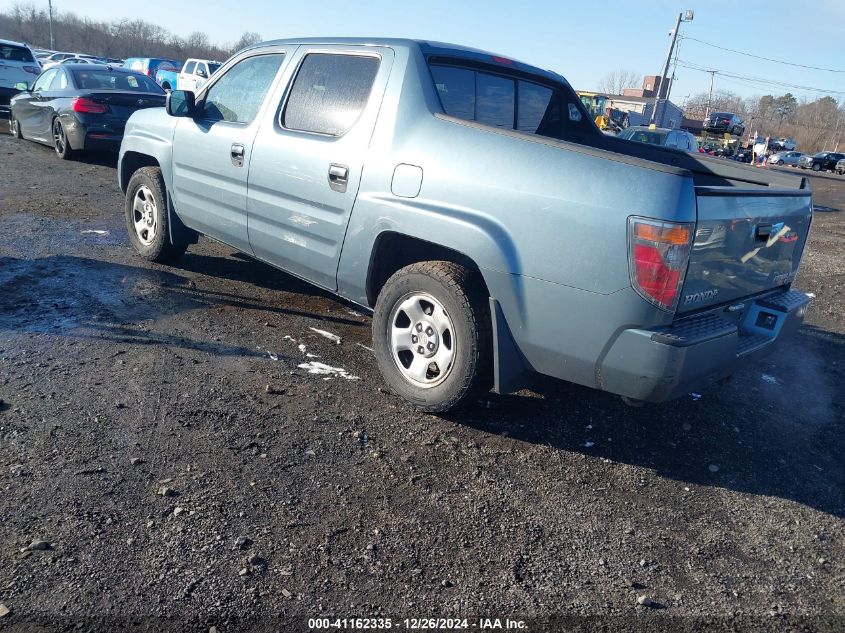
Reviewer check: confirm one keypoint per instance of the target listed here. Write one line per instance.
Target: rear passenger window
(59, 81)
(329, 93)
(237, 96)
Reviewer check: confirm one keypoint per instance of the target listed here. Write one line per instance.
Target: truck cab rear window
(509, 102)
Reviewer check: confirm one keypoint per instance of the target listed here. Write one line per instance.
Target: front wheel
(146, 217)
(432, 335)
(60, 142)
(817, 167)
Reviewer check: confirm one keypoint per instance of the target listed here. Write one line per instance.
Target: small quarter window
(329, 93)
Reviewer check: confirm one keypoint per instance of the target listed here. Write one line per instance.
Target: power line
(762, 81)
(768, 59)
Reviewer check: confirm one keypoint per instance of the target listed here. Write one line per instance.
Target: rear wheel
(60, 143)
(14, 127)
(146, 217)
(432, 335)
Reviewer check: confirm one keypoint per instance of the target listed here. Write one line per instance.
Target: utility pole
(50, 11)
(682, 17)
(710, 96)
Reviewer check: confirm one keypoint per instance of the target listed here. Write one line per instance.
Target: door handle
(338, 177)
(237, 154)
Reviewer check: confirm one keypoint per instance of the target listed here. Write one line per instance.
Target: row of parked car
(20, 65)
(76, 102)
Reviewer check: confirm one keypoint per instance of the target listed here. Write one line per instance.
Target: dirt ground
(159, 437)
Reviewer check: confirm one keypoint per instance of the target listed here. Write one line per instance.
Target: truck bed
(706, 171)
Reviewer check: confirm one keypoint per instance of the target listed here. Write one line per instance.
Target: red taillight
(658, 254)
(86, 105)
(149, 72)
(32, 70)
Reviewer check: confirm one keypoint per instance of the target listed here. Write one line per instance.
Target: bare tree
(615, 82)
(247, 39)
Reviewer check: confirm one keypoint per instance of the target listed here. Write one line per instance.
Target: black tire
(60, 142)
(817, 167)
(462, 297)
(166, 86)
(14, 127)
(155, 244)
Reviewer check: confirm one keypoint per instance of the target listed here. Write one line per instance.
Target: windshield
(645, 136)
(15, 53)
(103, 79)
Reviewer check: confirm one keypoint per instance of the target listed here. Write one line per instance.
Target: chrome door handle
(237, 155)
(338, 177)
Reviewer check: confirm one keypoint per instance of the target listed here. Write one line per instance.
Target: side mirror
(180, 103)
(201, 73)
(23, 87)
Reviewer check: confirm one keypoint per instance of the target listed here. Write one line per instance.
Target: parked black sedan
(76, 107)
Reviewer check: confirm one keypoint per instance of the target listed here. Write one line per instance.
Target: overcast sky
(581, 40)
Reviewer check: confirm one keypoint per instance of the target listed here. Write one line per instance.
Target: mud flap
(179, 233)
(510, 371)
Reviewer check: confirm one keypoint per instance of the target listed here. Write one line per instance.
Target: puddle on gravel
(66, 292)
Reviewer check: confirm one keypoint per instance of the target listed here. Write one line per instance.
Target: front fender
(148, 135)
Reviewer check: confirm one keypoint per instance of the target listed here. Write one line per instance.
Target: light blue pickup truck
(471, 203)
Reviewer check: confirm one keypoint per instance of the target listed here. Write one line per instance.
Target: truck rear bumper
(661, 364)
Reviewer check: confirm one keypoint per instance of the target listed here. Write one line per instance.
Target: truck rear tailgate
(747, 241)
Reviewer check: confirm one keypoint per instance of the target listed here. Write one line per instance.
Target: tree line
(118, 38)
(815, 124)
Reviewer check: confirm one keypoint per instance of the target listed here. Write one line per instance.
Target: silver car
(785, 158)
(678, 139)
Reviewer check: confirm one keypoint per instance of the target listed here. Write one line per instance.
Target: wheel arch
(393, 250)
(132, 161)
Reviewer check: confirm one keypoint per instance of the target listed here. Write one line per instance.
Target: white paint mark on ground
(369, 349)
(289, 338)
(695, 396)
(272, 356)
(769, 379)
(302, 348)
(589, 444)
(334, 338)
(95, 232)
(321, 369)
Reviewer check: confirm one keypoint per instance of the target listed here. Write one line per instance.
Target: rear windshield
(102, 79)
(645, 136)
(213, 68)
(512, 102)
(722, 115)
(15, 53)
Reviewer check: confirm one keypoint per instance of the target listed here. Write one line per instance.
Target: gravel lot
(159, 437)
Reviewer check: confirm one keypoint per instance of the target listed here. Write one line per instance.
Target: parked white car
(17, 66)
(76, 59)
(195, 73)
(787, 144)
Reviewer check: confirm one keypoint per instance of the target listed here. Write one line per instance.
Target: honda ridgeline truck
(471, 203)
